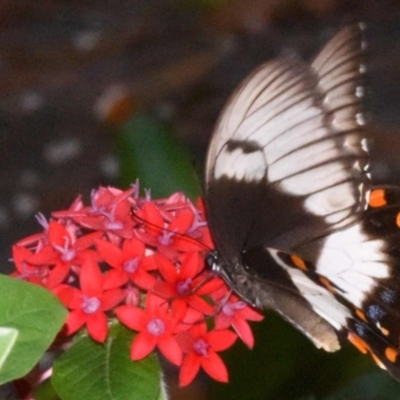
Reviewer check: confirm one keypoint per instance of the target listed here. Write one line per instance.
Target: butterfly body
(297, 224)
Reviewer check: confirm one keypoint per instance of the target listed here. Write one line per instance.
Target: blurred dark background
(74, 72)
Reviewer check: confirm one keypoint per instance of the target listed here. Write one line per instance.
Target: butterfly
(297, 224)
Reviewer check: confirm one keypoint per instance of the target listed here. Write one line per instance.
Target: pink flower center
(111, 224)
(200, 347)
(166, 238)
(114, 226)
(183, 287)
(90, 304)
(156, 327)
(131, 265)
(197, 223)
(67, 254)
(229, 309)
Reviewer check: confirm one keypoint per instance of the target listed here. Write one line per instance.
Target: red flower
(146, 249)
(26, 271)
(63, 250)
(89, 304)
(169, 232)
(235, 312)
(200, 349)
(128, 264)
(110, 212)
(180, 284)
(156, 327)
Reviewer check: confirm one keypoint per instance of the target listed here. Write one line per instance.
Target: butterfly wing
(371, 325)
(360, 266)
(287, 163)
(286, 182)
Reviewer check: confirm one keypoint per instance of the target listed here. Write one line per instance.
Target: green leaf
(375, 386)
(149, 151)
(92, 371)
(31, 317)
(45, 391)
(8, 337)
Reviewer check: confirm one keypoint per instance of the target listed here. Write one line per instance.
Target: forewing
(341, 68)
(285, 165)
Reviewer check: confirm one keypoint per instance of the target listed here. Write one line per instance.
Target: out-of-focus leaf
(284, 364)
(92, 371)
(375, 386)
(33, 317)
(149, 151)
(45, 391)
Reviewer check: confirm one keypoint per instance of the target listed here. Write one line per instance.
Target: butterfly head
(235, 275)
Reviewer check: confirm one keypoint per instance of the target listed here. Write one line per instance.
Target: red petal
(221, 340)
(90, 278)
(76, 319)
(69, 296)
(189, 368)
(211, 286)
(97, 326)
(164, 290)
(192, 316)
(192, 263)
(215, 367)
(243, 330)
(179, 309)
(182, 222)
(114, 279)
(250, 314)
(20, 255)
(47, 255)
(170, 251)
(132, 248)
(133, 317)
(152, 215)
(58, 274)
(156, 305)
(58, 235)
(222, 321)
(166, 268)
(186, 244)
(111, 298)
(198, 330)
(148, 263)
(143, 280)
(123, 210)
(170, 348)
(110, 253)
(87, 240)
(142, 345)
(201, 305)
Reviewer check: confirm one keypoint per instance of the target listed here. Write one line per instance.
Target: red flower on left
(89, 304)
(141, 261)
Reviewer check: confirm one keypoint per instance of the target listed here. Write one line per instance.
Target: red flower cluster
(142, 261)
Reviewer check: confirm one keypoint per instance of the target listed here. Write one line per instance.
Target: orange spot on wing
(327, 284)
(358, 342)
(298, 262)
(391, 354)
(377, 198)
(384, 330)
(361, 315)
(398, 220)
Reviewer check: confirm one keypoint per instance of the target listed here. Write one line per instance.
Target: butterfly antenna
(181, 235)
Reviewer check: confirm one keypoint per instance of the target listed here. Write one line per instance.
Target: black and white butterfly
(297, 224)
